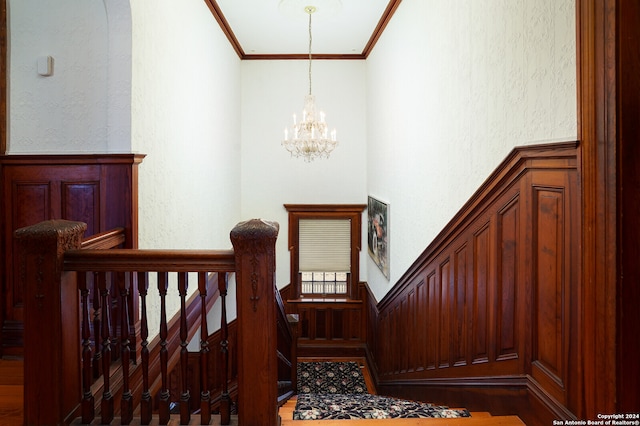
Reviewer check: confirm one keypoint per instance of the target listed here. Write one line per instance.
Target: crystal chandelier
(309, 137)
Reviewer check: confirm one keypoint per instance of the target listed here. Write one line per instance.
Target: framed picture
(378, 233)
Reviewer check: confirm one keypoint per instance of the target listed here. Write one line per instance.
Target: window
(325, 242)
(324, 258)
(324, 282)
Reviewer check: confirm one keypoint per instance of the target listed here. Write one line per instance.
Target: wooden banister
(105, 240)
(124, 260)
(57, 272)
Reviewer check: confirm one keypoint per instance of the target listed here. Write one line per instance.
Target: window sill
(327, 299)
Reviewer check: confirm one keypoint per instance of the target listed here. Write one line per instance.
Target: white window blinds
(325, 245)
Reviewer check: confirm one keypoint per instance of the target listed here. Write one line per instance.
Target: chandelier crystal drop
(309, 137)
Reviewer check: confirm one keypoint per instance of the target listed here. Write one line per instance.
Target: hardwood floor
(11, 392)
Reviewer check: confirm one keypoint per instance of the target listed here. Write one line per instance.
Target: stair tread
(478, 418)
(480, 414)
(462, 421)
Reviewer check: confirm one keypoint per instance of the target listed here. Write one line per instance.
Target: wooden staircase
(476, 419)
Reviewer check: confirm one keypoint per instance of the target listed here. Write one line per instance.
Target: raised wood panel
(412, 333)
(444, 327)
(403, 355)
(421, 330)
(79, 201)
(508, 242)
(550, 289)
(460, 326)
(319, 324)
(431, 326)
(32, 203)
(481, 269)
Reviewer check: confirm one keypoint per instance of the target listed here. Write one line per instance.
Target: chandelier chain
(310, 38)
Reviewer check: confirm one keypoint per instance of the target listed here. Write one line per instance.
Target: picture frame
(378, 233)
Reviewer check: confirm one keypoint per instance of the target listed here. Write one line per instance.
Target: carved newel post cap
(49, 228)
(255, 229)
(41, 237)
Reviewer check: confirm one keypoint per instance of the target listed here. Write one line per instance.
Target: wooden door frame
(3, 76)
(608, 35)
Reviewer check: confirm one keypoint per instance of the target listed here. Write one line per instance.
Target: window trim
(326, 211)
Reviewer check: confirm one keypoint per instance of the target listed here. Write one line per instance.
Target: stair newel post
(225, 400)
(254, 245)
(51, 299)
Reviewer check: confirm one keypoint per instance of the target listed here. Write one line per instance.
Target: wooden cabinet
(100, 190)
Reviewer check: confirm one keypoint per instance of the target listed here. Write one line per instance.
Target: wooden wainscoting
(331, 326)
(99, 190)
(485, 316)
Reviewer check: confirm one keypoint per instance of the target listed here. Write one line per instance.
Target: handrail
(105, 240)
(124, 260)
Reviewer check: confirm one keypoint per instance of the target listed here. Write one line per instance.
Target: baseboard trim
(517, 395)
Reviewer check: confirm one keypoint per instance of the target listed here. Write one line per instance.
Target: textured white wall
(186, 117)
(452, 87)
(66, 112)
(449, 90)
(272, 91)
(185, 114)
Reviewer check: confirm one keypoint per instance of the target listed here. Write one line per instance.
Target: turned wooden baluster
(88, 410)
(225, 401)
(126, 403)
(114, 313)
(163, 403)
(146, 408)
(97, 326)
(205, 395)
(107, 398)
(185, 416)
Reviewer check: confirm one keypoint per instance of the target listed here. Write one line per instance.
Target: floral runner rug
(366, 406)
(337, 390)
(330, 377)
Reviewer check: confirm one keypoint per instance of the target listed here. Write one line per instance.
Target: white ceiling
(281, 27)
